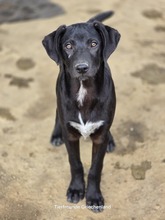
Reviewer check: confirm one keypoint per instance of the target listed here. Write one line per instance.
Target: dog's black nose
(82, 68)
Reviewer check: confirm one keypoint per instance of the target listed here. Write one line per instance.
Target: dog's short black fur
(85, 99)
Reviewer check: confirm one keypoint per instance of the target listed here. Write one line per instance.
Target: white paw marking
(88, 128)
(81, 94)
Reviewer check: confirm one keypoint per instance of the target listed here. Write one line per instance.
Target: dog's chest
(84, 98)
(88, 128)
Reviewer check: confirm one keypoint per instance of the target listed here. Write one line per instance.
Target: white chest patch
(81, 94)
(88, 128)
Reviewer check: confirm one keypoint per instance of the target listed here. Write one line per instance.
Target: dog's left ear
(51, 42)
(110, 38)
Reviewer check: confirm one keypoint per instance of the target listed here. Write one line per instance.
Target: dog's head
(81, 49)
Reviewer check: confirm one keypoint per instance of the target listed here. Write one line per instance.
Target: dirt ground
(33, 175)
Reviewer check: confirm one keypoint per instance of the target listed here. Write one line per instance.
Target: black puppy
(85, 99)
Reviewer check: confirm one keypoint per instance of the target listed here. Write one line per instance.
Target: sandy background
(34, 176)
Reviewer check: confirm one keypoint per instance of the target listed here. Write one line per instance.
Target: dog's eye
(68, 46)
(93, 44)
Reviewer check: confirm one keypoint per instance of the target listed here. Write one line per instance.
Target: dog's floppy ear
(110, 38)
(51, 42)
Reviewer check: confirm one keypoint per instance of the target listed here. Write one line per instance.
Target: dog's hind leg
(111, 143)
(56, 137)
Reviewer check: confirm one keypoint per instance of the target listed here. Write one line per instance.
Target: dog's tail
(101, 16)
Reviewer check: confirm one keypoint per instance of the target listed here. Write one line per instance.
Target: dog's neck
(87, 93)
(81, 94)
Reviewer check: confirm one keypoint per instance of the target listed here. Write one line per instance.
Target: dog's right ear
(51, 42)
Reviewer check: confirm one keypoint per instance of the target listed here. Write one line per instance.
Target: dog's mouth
(83, 77)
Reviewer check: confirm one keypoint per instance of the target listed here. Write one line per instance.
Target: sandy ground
(34, 176)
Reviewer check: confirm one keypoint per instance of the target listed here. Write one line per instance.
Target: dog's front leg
(76, 188)
(94, 198)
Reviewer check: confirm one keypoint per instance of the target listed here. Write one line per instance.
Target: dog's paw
(95, 203)
(74, 196)
(56, 141)
(111, 146)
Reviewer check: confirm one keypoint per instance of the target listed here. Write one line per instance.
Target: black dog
(85, 99)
